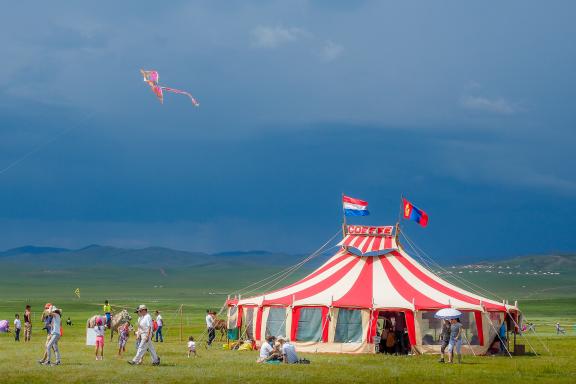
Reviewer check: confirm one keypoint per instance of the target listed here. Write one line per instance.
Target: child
(17, 327)
(191, 346)
(124, 332)
(99, 331)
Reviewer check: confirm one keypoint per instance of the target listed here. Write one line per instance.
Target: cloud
(331, 51)
(272, 37)
(499, 106)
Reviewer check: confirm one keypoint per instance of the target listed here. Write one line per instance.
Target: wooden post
(181, 307)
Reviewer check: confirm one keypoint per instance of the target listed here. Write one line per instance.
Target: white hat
(141, 307)
(281, 338)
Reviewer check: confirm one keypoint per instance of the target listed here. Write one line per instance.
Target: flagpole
(343, 218)
(399, 217)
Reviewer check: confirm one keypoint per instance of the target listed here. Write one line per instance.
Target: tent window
(469, 326)
(348, 326)
(430, 328)
(276, 324)
(232, 317)
(309, 325)
(249, 323)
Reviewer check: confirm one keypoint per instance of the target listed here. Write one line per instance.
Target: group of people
(27, 325)
(394, 338)
(278, 350)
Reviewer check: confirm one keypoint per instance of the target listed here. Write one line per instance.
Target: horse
(117, 320)
(220, 325)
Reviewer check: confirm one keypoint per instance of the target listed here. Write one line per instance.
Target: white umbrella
(447, 314)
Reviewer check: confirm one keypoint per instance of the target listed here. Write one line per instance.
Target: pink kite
(151, 77)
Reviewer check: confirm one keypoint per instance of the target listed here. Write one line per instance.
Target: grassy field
(201, 287)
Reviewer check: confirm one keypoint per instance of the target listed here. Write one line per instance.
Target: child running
(124, 332)
(99, 331)
(191, 346)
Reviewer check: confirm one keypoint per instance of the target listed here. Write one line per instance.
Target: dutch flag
(355, 207)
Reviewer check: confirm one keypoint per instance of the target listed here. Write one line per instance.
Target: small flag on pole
(355, 207)
(77, 292)
(411, 212)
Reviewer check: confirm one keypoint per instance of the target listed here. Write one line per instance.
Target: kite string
(45, 143)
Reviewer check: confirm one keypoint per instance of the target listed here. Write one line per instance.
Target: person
(144, 333)
(69, 322)
(502, 337)
(383, 337)
(123, 334)
(390, 341)
(27, 323)
(47, 320)
(159, 323)
(444, 338)
(191, 346)
(289, 355)
(99, 329)
(455, 340)
(107, 308)
(266, 350)
(17, 327)
(210, 327)
(56, 314)
(399, 329)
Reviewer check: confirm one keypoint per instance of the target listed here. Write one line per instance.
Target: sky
(466, 108)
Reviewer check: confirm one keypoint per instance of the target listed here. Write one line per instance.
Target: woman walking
(56, 314)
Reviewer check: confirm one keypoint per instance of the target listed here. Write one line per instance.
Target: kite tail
(192, 98)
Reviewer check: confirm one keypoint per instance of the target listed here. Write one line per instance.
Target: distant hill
(537, 264)
(151, 257)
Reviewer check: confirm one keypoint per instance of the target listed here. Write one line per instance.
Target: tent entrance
(393, 333)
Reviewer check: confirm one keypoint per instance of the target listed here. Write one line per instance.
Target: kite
(151, 77)
(77, 292)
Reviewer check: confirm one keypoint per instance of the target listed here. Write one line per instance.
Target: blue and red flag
(411, 212)
(354, 207)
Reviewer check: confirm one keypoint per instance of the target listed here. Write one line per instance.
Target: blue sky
(466, 108)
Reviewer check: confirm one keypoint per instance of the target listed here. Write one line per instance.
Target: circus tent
(343, 304)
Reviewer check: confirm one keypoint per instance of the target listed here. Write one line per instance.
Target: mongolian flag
(411, 212)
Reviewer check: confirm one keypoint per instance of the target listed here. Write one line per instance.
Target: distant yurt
(369, 284)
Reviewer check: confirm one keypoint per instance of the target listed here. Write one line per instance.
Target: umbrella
(447, 314)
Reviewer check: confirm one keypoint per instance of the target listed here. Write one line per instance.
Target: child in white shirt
(191, 346)
(17, 327)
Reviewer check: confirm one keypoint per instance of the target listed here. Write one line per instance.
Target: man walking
(210, 327)
(144, 333)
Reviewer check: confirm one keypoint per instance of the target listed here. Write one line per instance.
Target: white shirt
(209, 321)
(192, 345)
(144, 325)
(290, 352)
(99, 330)
(17, 324)
(265, 350)
(159, 320)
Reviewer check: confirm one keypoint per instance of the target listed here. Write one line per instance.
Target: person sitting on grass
(267, 350)
(288, 350)
(191, 346)
(123, 335)
(99, 331)
(69, 322)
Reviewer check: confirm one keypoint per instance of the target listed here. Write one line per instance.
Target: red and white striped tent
(336, 308)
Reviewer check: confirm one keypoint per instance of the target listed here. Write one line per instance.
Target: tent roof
(391, 280)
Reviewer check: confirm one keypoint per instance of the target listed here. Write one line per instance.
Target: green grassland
(204, 284)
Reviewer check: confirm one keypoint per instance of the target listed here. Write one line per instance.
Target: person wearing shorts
(99, 331)
(27, 323)
(455, 340)
(444, 338)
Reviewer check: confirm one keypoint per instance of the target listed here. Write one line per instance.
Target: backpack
(154, 325)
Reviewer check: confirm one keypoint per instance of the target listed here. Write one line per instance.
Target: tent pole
(343, 218)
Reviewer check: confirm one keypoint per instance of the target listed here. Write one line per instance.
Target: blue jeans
(159, 334)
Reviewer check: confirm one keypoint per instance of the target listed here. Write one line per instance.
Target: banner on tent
(370, 230)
